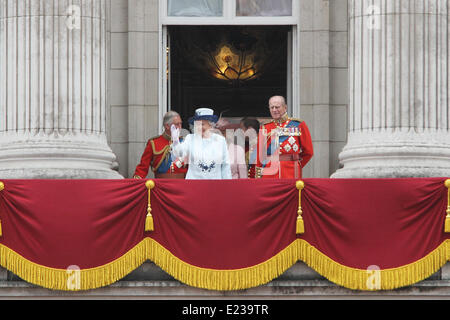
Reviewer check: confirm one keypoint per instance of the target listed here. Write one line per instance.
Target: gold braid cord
(150, 184)
(300, 224)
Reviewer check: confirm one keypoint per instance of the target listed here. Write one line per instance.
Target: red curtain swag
(366, 234)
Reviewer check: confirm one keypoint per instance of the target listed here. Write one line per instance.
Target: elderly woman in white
(206, 151)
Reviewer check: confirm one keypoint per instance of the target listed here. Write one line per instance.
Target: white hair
(283, 100)
(168, 117)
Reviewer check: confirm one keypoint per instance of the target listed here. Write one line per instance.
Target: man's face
(277, 108)
(176, 121)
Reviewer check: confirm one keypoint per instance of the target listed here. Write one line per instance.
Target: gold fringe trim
(73, 280)
(372, 280)
(237, 279)
(214, 279)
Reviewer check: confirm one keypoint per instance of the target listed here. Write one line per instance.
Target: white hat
(204, 114)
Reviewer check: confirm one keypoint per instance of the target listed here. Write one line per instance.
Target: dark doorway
(232, 69)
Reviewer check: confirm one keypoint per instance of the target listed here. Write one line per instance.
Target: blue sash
(165, 164)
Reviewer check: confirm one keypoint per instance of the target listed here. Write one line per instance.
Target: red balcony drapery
(224, 235)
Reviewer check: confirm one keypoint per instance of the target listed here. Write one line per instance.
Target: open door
(232, 69)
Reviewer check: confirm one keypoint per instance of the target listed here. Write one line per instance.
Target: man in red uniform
(284, 145)
(157, 154)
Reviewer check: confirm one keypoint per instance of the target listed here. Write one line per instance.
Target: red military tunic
(157, 155)
(289, 141)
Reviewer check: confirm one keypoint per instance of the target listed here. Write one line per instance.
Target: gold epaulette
(153, 138)
(295, 119)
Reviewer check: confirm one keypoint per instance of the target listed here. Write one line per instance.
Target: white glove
(175, 133)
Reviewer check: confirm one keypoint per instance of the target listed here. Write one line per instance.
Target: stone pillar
(53, 90)
(399, 112)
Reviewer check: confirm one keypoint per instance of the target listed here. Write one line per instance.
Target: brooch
(205, 167)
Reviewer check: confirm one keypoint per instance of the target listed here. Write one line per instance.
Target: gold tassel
(447, 223)
(300, 225)
(447, 218)
(150, 184)
(149, 223)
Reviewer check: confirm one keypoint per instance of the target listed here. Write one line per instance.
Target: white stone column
(399, 112)
(53, 90)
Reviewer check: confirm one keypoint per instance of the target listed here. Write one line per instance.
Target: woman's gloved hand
(175, 134)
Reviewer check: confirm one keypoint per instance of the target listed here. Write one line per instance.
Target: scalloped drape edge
(235, 279)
